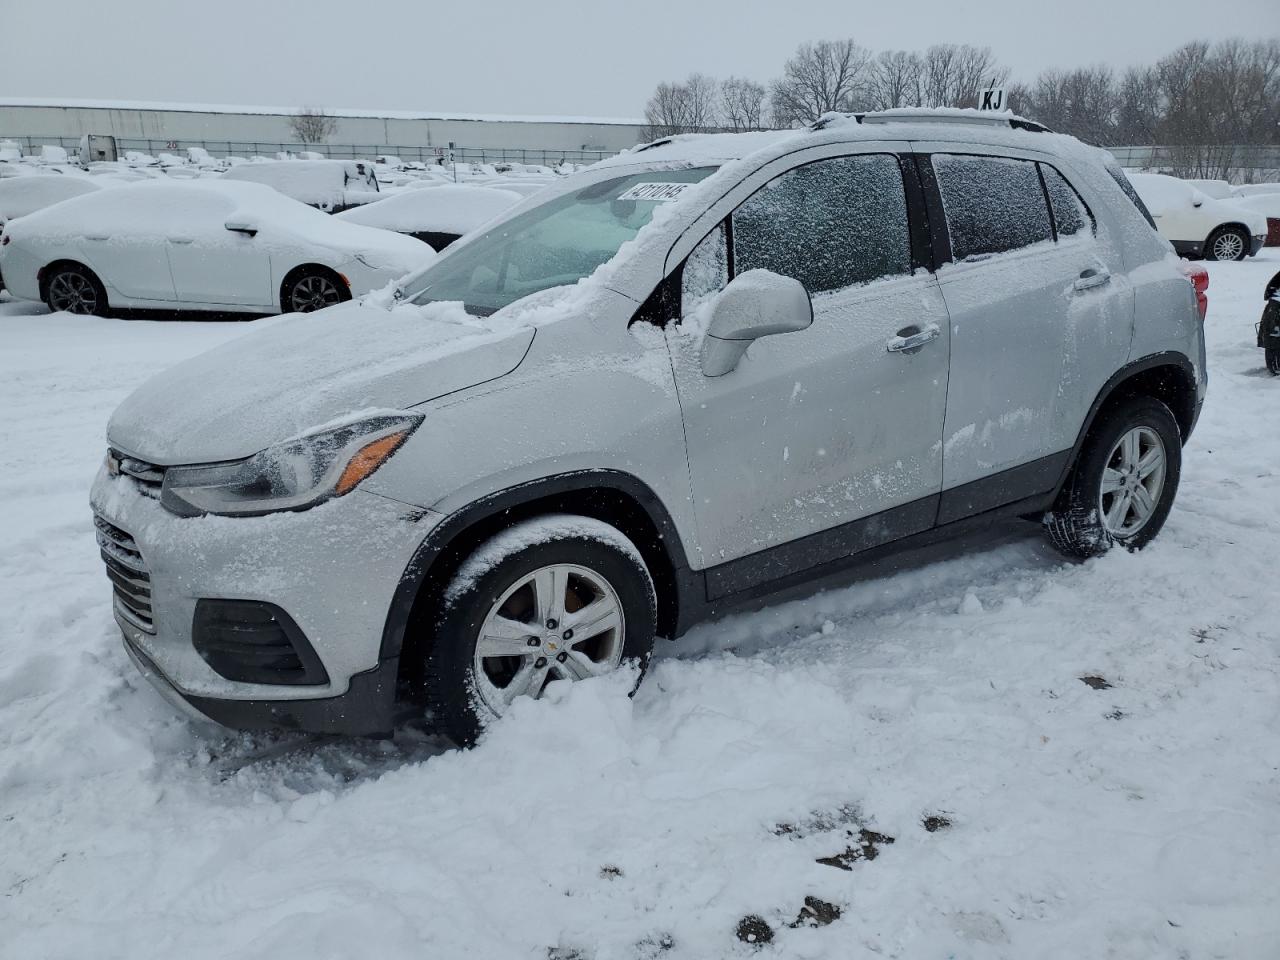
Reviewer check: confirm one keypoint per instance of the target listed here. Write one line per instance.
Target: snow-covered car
(20, 196)
(1216, 189)
(697, 374)
(329, 185)
(437, 216)
(197, 245)
(1196, 224)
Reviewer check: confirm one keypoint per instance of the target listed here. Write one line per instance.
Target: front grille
(127, 573)
(147, 478)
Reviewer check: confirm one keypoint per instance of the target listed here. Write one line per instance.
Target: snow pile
(984, 753)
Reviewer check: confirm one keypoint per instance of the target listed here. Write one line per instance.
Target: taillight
(1199, 277)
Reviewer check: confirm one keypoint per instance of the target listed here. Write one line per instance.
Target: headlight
(292, 475)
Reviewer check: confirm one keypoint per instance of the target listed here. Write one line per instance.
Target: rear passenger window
(1070, 215)
(829, 224)
(993, 204)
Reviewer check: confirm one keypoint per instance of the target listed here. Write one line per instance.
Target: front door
(211, 264)
(825, 441)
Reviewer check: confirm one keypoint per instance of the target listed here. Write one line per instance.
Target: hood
(303, 370)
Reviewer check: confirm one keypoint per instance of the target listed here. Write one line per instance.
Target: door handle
(913, 338)
(1091, 278)
(181, 239)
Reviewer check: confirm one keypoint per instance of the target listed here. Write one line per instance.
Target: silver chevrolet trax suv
(703, 372)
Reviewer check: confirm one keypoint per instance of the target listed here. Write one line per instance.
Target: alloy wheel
(560, 622)
(73, 293)
(1228, 246)
(1132, 482)
(314, 293)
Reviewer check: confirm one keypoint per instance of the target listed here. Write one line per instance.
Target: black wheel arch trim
(687, 583)
(1168, 358)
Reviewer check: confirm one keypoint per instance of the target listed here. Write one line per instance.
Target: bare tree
(688, 107)
(1138, 106)
(954, 73)
(896, 80)
(742, 104)
(312, 125)
(830, 75)
(1083, 102)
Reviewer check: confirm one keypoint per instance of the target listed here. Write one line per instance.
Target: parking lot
(1070, 760)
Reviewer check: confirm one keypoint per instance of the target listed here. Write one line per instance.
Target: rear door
(821, 442)
(1030, 310)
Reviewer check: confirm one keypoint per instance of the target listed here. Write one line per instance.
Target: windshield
(554, 244)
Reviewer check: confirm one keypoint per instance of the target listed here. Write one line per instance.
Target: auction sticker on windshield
(661, 192)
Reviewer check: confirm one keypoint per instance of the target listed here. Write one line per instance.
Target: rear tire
(1273, 360)
(526, 592)
(72, 288)
(312, 288)
(1227, 243)
(1123, 484)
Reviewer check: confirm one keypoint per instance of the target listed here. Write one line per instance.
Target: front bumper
(334, 569)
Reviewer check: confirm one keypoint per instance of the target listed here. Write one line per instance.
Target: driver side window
(831, 224)
(706, 271)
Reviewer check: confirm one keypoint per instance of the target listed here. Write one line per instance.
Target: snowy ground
(1135, 821)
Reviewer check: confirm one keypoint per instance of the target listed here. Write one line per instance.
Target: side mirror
(241, 225)
(755, 304)
(1197, 203)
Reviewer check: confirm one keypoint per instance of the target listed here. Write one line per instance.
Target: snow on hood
(296, 372)
(447, 208)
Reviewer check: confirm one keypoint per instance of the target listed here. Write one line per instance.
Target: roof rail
(942, 115)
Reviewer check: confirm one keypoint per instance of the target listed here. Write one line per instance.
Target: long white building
(241, 129)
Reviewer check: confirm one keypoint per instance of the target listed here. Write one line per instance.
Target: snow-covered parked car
(1196, 224)
(329, 185)
(692, 376)
(20, 196)
(438, 215)
(197, 245)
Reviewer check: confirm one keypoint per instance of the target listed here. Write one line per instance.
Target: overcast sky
(582, 58)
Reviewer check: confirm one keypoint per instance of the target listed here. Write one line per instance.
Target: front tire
(1123, 484)
(72, 288)
(1227, 243)
(312, 289)
(557, 598)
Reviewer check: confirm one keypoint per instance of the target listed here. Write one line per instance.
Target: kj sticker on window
(660, 192)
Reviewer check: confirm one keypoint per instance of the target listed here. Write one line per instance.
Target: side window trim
(1053, 217)
(939, 230)
(923, 255)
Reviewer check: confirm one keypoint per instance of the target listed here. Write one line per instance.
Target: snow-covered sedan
(1196, 224)
(436, 215)
(198, 245)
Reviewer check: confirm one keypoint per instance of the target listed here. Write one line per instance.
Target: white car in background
(197, 245)
(20, 196)
(1267, 204)
(1196, 224)
(329, 185)
(437, 215)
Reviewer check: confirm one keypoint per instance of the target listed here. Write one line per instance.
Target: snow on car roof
(447, 208)
(955, 124)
